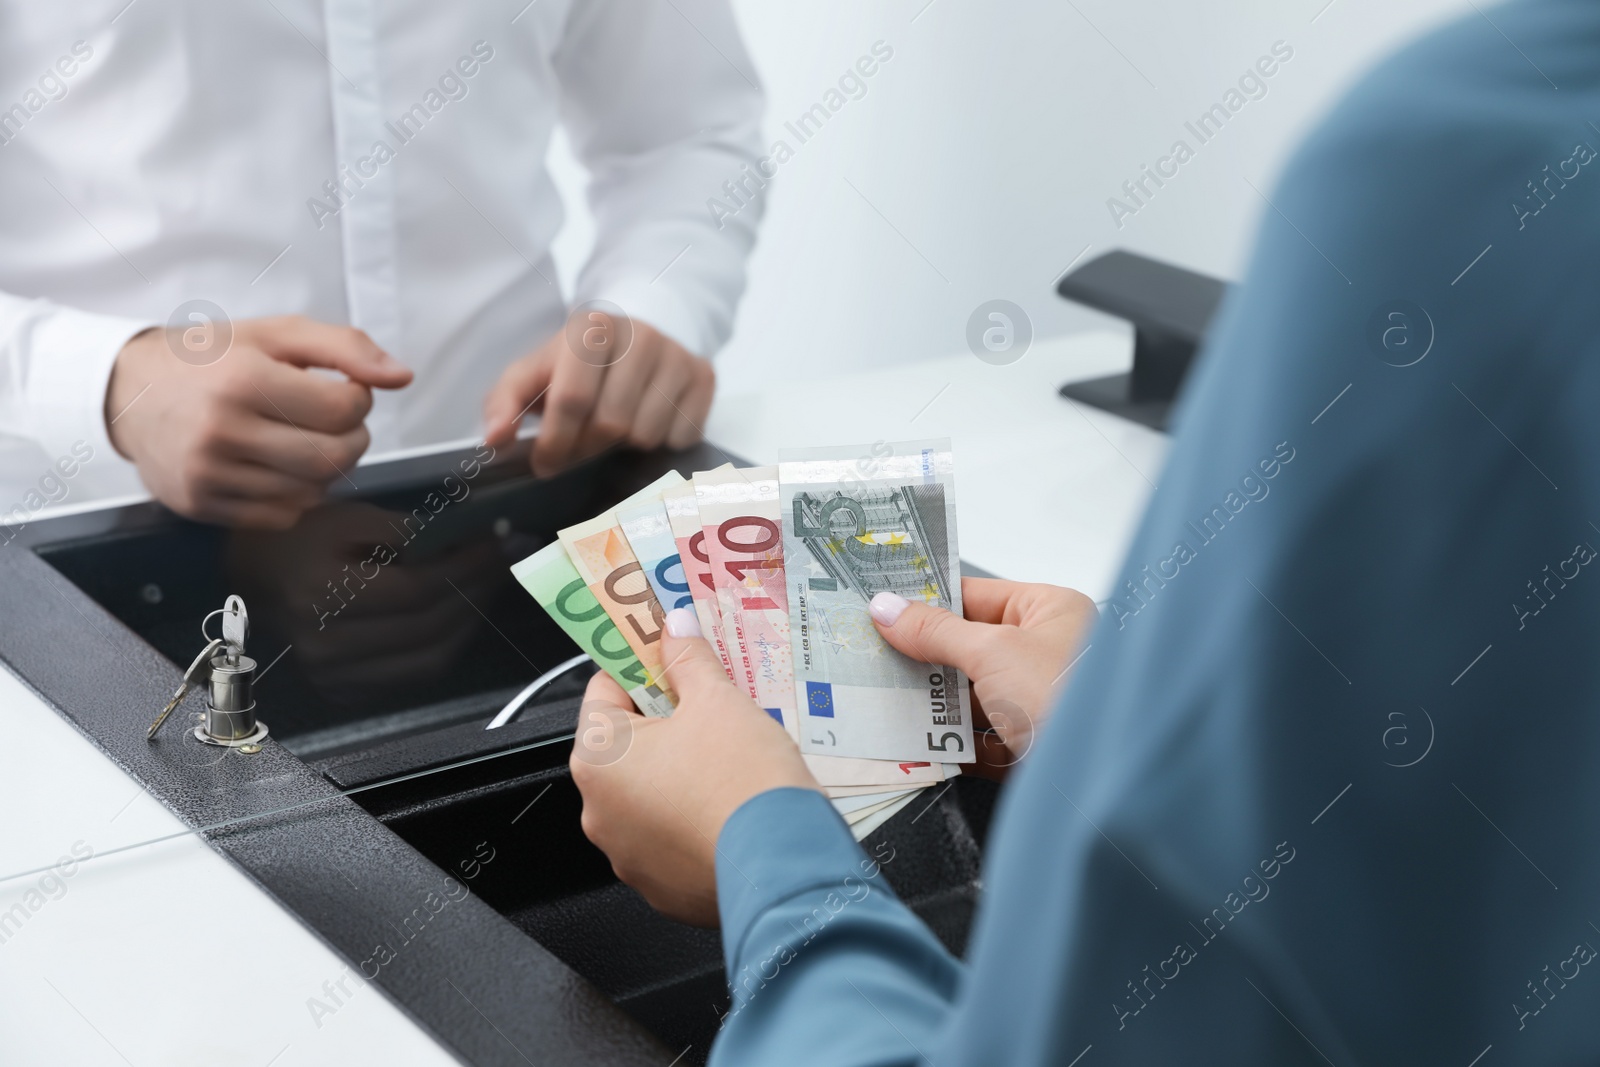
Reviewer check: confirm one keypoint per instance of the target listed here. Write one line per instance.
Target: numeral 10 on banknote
(758, 560)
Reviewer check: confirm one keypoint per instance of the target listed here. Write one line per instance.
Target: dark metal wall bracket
(1170, 308)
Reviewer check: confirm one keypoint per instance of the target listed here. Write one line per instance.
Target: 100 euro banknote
(857, 522)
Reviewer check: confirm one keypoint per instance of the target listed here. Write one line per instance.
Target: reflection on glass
(382, 613)
(385, 614)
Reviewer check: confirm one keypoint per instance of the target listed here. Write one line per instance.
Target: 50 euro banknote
(549, 576)
(858, 522)
(600, 552)
(573, 600)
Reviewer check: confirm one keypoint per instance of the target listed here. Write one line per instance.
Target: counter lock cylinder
(229, 677)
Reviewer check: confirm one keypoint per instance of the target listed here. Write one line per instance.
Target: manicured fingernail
(683, 622)
(888, 607)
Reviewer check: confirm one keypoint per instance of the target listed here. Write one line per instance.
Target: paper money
(552, 580)
(859, 807)
(879, 773)
(744, 542)
(650, 536)
(683, 516)
(761, 561)
(862, 829)
(855, 818)
(740, 527)
(857, 522)
(603, 558)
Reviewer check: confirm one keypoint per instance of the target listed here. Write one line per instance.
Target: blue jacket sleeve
(1313, 794)
(826, 965)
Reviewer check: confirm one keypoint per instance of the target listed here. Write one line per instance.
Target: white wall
(991, 142)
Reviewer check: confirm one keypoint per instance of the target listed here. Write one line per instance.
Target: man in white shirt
(206, 203)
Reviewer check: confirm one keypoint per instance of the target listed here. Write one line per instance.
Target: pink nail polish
(683, 622)
(888, 607)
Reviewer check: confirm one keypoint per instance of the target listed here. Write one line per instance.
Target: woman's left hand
(656, 792)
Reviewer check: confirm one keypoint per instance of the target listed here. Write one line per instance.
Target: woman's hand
(656, 792)
(1015, 644)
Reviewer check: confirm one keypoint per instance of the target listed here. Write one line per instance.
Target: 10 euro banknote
(744, 543)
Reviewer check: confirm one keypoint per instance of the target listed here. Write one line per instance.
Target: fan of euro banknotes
(779, 564)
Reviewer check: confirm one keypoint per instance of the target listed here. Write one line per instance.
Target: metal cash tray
(548, 953)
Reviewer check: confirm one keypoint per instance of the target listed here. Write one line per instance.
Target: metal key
(196, 672)
(235, 626)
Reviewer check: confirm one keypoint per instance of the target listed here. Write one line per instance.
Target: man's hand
(599, 381)
(1015, 644)
(254, 438)
(656, 792)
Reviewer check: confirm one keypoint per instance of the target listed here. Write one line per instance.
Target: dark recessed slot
(559, 889)
(359, 716)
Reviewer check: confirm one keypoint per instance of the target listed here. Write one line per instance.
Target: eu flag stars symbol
(819, 699)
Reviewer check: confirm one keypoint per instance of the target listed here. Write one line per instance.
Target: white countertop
(1047, 489)
(107, 965)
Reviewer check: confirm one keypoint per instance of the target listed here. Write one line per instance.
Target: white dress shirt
(374, 162)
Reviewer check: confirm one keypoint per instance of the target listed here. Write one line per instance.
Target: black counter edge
(469, 978)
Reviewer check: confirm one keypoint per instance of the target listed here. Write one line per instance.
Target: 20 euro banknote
(646, 527)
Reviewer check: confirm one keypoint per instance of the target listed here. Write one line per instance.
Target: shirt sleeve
(55, 364)
(1237, 840)
(664, 108)
(813, 934)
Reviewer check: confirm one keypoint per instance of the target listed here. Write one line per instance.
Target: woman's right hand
(1015, 644)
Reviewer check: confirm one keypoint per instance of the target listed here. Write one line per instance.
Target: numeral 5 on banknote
(860, 521)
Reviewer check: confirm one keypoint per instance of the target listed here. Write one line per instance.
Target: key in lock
(229, 676)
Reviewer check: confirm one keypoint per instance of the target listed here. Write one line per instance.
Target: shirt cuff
(776, 845)
(660, 307)
(73, 353)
